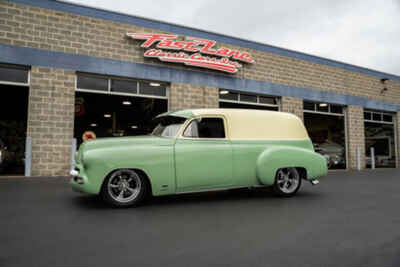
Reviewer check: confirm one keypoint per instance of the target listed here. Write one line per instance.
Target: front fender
(156, 161)
(274, 158)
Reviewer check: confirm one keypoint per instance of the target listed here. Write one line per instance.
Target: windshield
(168, 126)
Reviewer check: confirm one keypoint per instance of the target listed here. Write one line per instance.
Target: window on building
(248, 98)
(227, 95)
(230, 99)
(92, 83)
(152, 88)
(120, 85)
(124, 86)
(378, 116)
(11, 74)
(206, 128)
(322, 107)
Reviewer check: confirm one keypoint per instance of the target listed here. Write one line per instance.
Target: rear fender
(274, 158)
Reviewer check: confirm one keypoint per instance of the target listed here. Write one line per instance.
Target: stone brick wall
(183, 96)
(292, 105)
(355, 136)
(398, 137)
(28, 26)
(51, 120)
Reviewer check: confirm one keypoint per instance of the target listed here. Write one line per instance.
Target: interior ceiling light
(107, 115)
(223, 92)
(323, 105)
(127, 103)
(134, 127)
(155, 84)
(93, 124)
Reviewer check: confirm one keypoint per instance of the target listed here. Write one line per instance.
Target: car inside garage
(325, 124)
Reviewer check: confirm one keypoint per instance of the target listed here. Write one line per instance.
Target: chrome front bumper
(74, 173)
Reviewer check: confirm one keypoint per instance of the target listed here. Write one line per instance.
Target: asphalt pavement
(349, 219)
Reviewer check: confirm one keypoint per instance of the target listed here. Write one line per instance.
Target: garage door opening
(326, 128)
(13, 123)
(231, 99)
(123, 108)
(380, 135)
(14, 95)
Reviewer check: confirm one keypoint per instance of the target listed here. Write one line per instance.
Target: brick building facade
(57, 41)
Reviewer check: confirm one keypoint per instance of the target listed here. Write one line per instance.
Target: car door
(203, 155)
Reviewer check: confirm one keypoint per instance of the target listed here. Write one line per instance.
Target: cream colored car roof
(246, 124)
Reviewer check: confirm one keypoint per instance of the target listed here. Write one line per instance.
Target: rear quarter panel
(275, 158)
(256, 162)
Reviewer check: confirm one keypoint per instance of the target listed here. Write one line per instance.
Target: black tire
(124, 188)
(287, 176)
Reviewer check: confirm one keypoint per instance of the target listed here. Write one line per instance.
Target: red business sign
(192, 52)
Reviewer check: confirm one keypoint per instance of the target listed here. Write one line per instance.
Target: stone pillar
(51, 120)
(355, 136)
(187, 96)
(397, 129)
(292, 105)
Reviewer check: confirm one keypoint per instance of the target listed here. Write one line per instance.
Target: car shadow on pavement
(233, 195)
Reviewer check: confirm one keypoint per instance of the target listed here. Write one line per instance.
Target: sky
(359, 32)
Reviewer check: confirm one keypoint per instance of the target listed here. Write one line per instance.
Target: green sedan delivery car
(200, 150)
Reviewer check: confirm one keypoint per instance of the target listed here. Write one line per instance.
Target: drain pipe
(358, 154)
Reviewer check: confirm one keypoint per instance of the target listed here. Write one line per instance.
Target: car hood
(123, 141)
(115, 142)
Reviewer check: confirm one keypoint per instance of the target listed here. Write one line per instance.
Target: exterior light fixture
(383, 81)
(93, 124)
(126, 103)
(134, 127)
(155, 84)
(322, 105)
(107, 115)
(223, 92)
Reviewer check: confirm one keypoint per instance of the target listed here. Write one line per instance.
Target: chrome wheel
(124, 186)
(288, 180)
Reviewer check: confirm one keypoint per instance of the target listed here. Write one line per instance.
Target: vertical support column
(187, 96)
(51, 120)
(28, 156)
(73, 151)
(292, 105)
(355, 136)
(372, 158)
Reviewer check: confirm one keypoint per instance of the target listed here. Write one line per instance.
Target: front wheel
(124, 187)
(287, 182)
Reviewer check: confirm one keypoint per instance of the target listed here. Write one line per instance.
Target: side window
(206, 128)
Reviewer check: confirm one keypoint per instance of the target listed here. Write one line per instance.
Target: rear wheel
(124, 187)
(287, 182)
